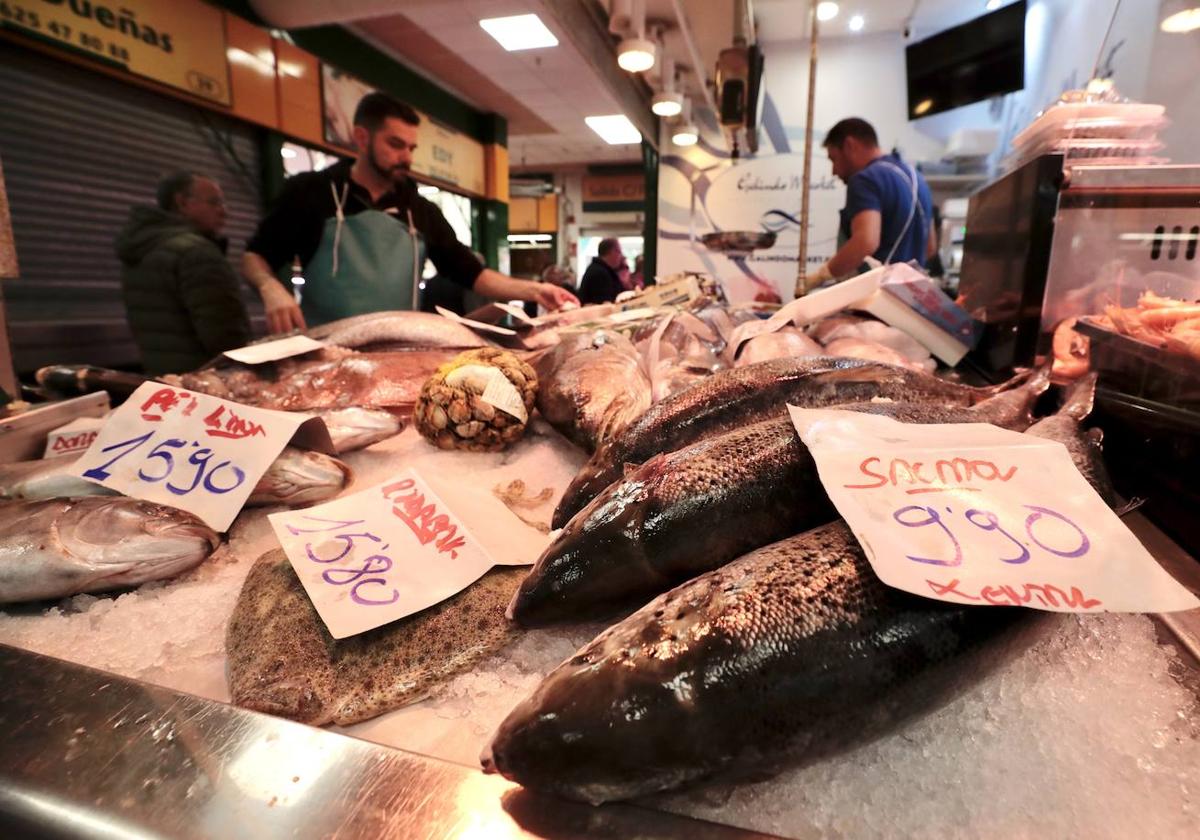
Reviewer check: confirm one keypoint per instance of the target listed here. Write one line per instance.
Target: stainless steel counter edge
(88, 754)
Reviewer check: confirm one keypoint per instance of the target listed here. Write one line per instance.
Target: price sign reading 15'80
(192, 451)
(974, 514)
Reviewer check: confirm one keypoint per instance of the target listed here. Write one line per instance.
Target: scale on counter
(737, 246)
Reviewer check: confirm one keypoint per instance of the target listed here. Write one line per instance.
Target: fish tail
(1018, 379)
(1080, 397)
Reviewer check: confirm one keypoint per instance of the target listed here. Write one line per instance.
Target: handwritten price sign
(974, 514)
(192, 451)
(380, 554)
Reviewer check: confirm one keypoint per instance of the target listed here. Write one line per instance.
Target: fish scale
(787, 654)
(283, 661)
(689, 511)
(730, 399)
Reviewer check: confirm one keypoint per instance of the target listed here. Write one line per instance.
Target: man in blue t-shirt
(889, 211)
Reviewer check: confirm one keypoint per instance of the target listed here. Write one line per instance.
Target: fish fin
(1020, 377)
(1130, 506)
(1080, 397)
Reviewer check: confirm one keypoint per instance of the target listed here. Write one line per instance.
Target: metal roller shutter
(79, 149)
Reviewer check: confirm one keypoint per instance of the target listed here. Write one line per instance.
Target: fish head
(134, 536)
(598, 558)
(300, 476)
(593, 730)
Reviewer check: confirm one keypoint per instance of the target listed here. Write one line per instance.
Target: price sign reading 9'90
(973, 514)
(191, 451)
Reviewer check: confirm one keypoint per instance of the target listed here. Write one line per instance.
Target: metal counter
(87, 754)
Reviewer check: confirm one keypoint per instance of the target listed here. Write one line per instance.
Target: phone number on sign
(22, 17)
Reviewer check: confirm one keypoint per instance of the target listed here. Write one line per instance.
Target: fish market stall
(1060, 723)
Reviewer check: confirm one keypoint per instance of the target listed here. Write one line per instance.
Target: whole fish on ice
(789, 653)
(356, 427)
(58, 547)
(282, 661)
(591, 386)
(295, 477)
(732, 399)
(397, 328)
(369, 380)
(683, 513)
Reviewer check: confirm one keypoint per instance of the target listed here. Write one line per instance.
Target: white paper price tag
(273, 351)
(974, 514)
(380, 554)
(192, 451)
(73, 438)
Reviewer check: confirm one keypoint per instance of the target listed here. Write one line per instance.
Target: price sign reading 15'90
(995, 518)
(192, 451)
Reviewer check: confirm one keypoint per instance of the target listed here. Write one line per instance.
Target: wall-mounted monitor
(980, 59)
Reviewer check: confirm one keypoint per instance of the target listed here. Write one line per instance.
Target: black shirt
(600, 283)
(295, 226)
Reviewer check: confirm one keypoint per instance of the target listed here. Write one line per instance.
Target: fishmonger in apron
(368, 262)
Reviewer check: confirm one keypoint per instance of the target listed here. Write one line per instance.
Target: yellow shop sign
(181, 43)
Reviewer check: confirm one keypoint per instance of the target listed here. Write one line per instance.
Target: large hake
(283, 661)
(688, 511)
(58, 547)
(413, 329)
(731, 399)
(792, 652)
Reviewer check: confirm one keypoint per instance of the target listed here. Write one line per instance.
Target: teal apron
(367, 262)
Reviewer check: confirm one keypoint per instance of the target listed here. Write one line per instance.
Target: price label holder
(973, 514)
(193, 451)
(73, 438)
(381, 554)
(273, 351)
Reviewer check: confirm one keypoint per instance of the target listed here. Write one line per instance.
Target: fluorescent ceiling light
(667, 103)
(993, 5)
(827, 10)
(614, 129)
(1181, 22)
(427, 189)
(856, 23)
(529, 237)
(636, 55)
(520, 32)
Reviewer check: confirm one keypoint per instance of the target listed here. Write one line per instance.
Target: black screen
(982, 58)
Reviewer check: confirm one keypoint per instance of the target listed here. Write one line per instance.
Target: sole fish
(732, 399)
(792, 652)
(692, 510)
(282, 661)
(59, 547)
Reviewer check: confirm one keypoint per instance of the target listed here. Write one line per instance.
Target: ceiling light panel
(519, 32)
(614, 129)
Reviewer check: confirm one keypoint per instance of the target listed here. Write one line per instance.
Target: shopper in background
(601, 281)
(361, 232)
(182, 298)
(889, 210)
(638, 278)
